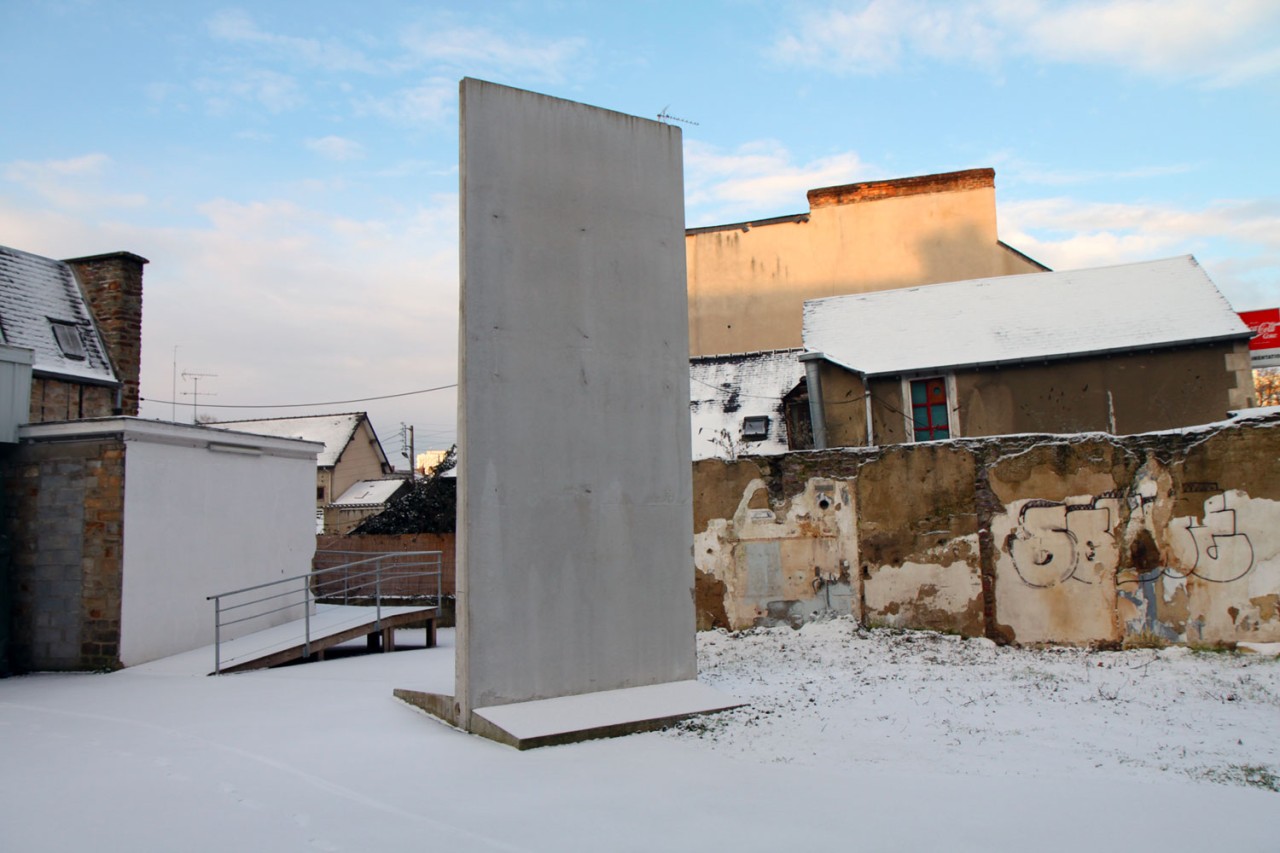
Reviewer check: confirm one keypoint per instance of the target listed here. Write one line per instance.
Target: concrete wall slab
(575, 507)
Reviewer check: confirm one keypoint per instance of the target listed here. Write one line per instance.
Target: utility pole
(195, 382)
(173, 397)
(406, 439)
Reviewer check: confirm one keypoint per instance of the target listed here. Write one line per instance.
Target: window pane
(919, 393)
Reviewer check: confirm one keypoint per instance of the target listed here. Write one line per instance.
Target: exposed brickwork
(372, 544)
(113, 286)
(971, 179)
(65, 517)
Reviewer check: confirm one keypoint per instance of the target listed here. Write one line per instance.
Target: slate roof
(35, 290)
(724, 389)
(1019, 318)
(333, 431)
(370, 492)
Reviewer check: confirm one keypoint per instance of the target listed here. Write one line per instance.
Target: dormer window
(68, 337)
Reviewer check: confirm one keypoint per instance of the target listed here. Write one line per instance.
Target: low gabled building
(110, 553)
(361, 500)
(748, 404)
(1122, 349)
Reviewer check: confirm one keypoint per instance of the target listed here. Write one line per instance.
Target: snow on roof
(333, 431)
(724, 389)
(37, 293)
(370, 492)
(1022, 318)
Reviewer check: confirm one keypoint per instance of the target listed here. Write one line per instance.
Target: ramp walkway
(330, 625)
(300, 617)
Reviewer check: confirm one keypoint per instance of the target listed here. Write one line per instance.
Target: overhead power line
(301, 405)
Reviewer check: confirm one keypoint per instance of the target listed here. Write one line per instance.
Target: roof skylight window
(68, 337)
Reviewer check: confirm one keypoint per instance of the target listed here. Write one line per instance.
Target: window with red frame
(929, 409)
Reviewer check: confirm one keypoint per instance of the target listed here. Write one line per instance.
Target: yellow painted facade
(748, 282)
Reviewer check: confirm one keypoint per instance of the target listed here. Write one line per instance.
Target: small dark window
(68, 337)
(755, 428)
(319, 493)
(929, 409)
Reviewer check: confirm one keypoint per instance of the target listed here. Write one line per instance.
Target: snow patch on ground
(834, 694)
(868, 740)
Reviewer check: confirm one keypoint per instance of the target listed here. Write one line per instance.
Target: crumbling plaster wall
(1091, 538)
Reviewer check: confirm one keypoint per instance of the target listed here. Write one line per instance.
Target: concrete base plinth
(569, 719)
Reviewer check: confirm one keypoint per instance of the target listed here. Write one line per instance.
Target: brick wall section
(65, 515)
(59, 400)
(371, 544)
(113, 285)
(971, 179)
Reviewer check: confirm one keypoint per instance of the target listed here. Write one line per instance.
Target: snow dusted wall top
(575, 502)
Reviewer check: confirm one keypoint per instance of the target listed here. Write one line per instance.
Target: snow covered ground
(853, 741)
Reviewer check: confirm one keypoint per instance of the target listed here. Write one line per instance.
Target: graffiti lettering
(1223, 553)
(1054, 539)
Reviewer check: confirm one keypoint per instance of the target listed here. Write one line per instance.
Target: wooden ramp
(330, 625)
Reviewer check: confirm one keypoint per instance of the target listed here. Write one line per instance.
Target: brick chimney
(112, 284)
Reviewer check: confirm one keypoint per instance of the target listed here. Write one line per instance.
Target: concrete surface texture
(575, 499)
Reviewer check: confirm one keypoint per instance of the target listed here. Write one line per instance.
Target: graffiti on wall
(1223, 552)
(1053, 540)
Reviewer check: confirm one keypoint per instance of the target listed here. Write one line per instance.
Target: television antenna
(195, 381)
(666, 117)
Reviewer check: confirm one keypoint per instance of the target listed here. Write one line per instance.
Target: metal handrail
(380, 567)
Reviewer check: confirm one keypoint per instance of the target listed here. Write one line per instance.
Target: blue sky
(290, 169)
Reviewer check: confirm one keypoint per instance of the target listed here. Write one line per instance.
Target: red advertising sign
(1265, 347)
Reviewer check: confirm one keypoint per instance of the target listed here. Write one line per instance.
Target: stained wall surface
(1163, 537)
(748, 282)
(575, 499)
(1132, 393)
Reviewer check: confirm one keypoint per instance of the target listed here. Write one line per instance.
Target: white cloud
(431, 102)
(1069, 234)
(336, 148)
(73, 184)
(271, 89)
(1221, 42)
(756, 180)
(1024, 172)
(238, 27)
(477, 48)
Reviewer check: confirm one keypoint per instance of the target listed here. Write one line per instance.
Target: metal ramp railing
(399, 577)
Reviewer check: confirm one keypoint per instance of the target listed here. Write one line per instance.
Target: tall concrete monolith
(575, 576)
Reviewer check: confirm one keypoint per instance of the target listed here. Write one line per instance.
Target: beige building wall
(748, 282)
(1124, 393)
(359, 461)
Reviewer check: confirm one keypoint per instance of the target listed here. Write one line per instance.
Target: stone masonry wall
(1097, 539)
(64, 513)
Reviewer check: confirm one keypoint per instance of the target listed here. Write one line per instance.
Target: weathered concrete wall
(1066, 539)
(574, 499)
